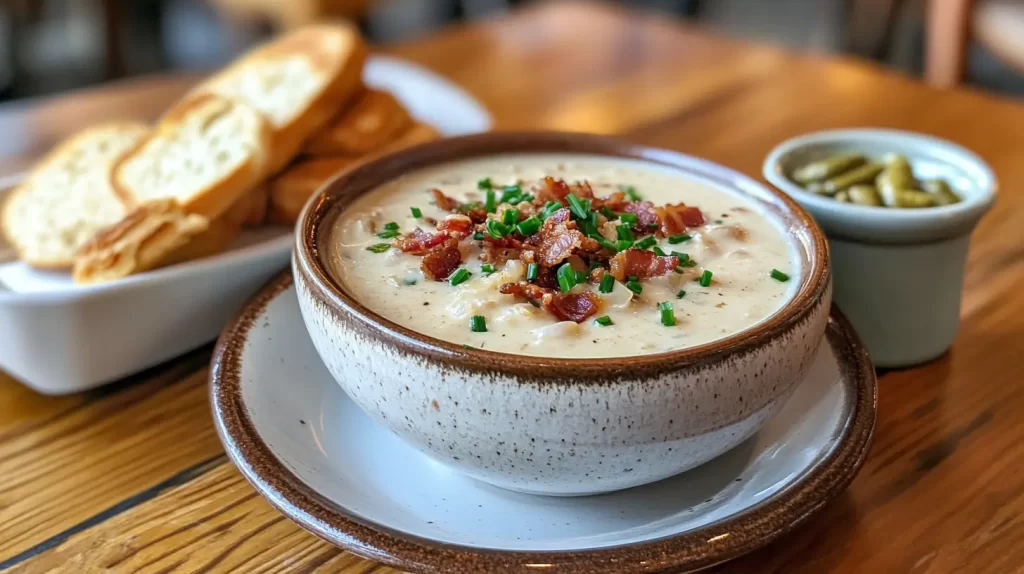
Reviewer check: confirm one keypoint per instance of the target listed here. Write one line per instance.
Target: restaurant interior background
(49, 46)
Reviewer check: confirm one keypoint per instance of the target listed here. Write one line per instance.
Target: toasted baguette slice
(299, 82)
(67, 197)
(376, 119)
(416, 134)
(290, 190)
(206, 156)
(153, 235)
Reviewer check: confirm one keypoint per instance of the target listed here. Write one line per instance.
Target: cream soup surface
(739, 244)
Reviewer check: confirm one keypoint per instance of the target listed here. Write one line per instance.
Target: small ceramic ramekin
(546, 425)
(898, 272)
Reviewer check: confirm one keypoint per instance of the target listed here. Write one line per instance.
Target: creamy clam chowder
(562, 256)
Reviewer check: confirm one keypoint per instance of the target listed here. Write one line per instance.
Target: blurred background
(50, 46)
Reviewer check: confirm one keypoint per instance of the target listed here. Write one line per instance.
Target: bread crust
(290, 189)
(374, 120)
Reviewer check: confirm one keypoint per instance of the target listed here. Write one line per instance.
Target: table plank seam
(185, 476)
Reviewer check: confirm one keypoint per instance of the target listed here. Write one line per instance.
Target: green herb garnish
(479, 236)
(779, 275)
(391, 226)
(684, 258)
(680, 294)
(608, 213)
(379, 247)
(603, 321)
(582, 277)
(674, 239)
(487, 268)
(478, 324)
(485, 183)
(409, 281)
(566, 277)
(635, 287)
(510, 193)
(578, 208)
(529, 226)
(490, 204)
(532, 272)
(629, 218)
(497, 229)
(668, 318)
(658, 251)
(609, 245)
(549, 209)
(719, 221)
(416, 212)
(623, 244)
(646, 242)
(388, 234)
(624, 232)
(607, 283)
(705, 278)
(510, 216)
(460, 276)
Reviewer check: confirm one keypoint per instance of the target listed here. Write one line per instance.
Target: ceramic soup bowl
(561, 426)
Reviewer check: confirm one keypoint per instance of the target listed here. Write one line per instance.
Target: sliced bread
(154, 234)
(290, 189)
(68, 196)
(375, 119)
(299, 82)
(206, 155)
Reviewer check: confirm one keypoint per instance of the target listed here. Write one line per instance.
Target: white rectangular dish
(58, 337)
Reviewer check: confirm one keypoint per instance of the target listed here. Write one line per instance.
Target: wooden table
(132, 477)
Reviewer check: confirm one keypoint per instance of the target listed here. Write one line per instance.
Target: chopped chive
(478, 324)
(609, 245)
(594, 264)
(624, 232)
(566, 277)
(630, 192)
(608, 213)
(674, 239)
(391, 226)
(635, 287)
(379, 247)
(705, 278)
(510, 192)
(409, 281)
(582, 277)
(719, 221)
(388, 234)
(629, 218)
(497, 229)
(632, 278)
(578, 208)
(532, 272)
(458, 277)
(490, 204)
(603, 321)
(550, 208)
(680, 294)
(668, 318)
(510, 216)
(487, 268)
(646, 242)
(607, 283)
(779, 275)
(684, 258)
(416, 212)
(529, 226)
(623, 244)
(485, 183)
(658, 251)
(470, 206)
(478, 236)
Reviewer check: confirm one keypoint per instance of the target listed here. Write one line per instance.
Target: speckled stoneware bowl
(560, 426)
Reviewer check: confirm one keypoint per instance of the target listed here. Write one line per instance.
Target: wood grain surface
(132, 479)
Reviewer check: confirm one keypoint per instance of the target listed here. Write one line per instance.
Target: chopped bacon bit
(590, 245)
(527, 257)
(597, 274)
(547, 277)
(551, 189)
(571, 306)
(498, 255)
(418, 242)
(642, 264)
(444, 202)
(442, 260)
(525, 289)
(676, 218)
(476, 214)
(457, 225)
(557, 239)
(646, 215)
(615, 201)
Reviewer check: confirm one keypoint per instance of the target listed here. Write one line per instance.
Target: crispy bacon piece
(571, 306)
(646, 215)
(443, 202)
(557, 239)
(418, 241)
(442, 260)
(676, 218)
(551, 189)
(616, 201)
(457, 225)
(525, 289)
(642, 264)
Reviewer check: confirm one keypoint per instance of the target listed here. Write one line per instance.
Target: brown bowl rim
(717, 542)
(815, 276)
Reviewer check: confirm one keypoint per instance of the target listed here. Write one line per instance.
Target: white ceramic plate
(323, 462)
(58, 337)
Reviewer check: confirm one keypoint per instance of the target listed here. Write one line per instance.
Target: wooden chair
(998, 25)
